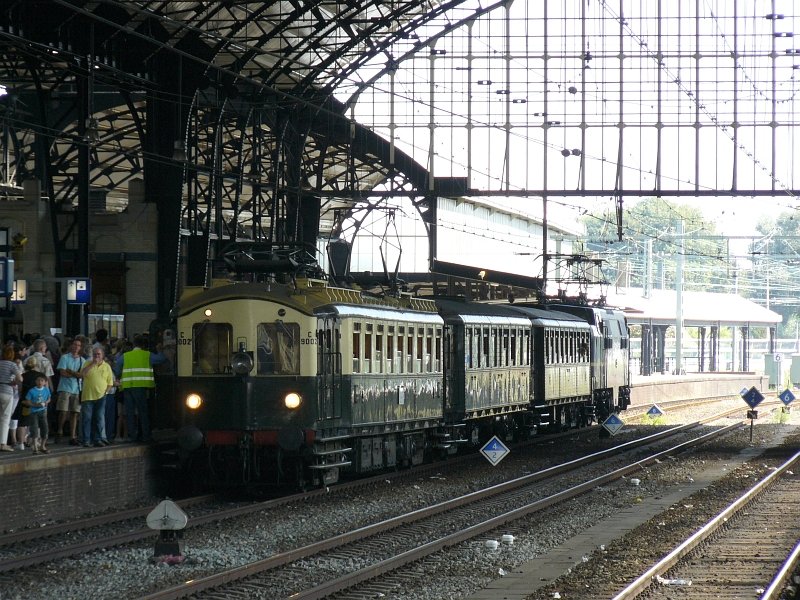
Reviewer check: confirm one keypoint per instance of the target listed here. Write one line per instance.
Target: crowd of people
(78, 391)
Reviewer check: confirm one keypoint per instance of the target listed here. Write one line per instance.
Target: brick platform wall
(43, 489)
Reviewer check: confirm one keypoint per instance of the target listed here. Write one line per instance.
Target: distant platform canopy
(699, 308)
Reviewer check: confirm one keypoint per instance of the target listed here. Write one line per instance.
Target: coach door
(329, 368)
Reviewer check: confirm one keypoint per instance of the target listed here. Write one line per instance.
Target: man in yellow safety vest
(135, 371)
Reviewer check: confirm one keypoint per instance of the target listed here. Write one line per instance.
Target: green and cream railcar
(296, 383)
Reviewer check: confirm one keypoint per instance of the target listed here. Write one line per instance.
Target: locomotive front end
(247, 386)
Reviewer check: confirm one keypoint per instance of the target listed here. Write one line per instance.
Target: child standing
(35, 407)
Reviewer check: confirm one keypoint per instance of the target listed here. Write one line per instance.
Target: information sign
(753, 397)
(494, 450)
(79, 291)
(655, 411)
(787, 397)
(613, 424)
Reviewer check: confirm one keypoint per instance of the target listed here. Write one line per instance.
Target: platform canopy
(699, 308)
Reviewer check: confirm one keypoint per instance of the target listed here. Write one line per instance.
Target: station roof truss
(275, 120)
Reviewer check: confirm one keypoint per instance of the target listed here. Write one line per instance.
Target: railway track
(39, 545)
(747, 550)
(380, 548)
(76, 537)
(41, 560)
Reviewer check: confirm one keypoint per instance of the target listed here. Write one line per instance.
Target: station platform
(70, 481)
(73, 480)
(652, 389)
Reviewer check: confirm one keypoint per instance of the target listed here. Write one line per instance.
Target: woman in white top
(9, 379)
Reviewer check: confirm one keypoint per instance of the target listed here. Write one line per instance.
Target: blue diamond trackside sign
(613, 424)
(494, 450)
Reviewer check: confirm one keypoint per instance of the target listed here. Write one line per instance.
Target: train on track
(302, 382)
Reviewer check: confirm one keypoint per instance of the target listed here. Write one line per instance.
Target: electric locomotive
(610, 356)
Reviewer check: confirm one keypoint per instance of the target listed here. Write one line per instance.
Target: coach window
(420, 362)
(211, 348)
(514, 347)
(367, 368)
(548, 351)
(356, 347)
(390, 350)
(526, 357)
(467, 346)
(401, 337)
(428, 350)
(379, 349)
(438, 351)
(410, 351)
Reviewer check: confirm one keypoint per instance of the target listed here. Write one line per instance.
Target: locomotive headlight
(292, 400)
(193, 401)
(242, 363)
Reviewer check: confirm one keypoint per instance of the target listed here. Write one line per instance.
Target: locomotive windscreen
(278, 351)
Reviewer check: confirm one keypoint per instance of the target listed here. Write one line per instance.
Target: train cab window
(583, 349)
(278, 349)
(212, 345)
(356, 347)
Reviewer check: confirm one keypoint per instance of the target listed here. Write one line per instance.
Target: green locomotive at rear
(295, 383)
